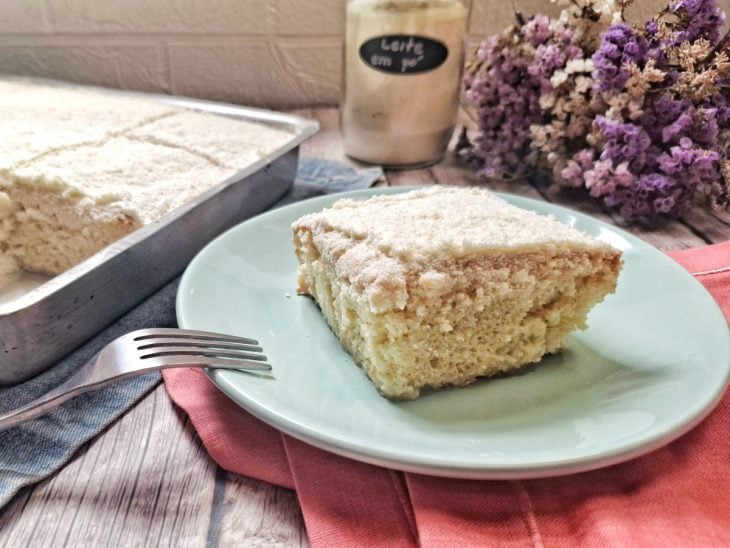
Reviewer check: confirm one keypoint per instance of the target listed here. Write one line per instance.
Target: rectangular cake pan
(43, 319)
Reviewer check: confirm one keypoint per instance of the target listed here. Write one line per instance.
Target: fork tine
(174, 333)
(163, 362)
(196, 343)
(208, 352)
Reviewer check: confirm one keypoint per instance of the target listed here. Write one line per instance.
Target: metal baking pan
(43, 319)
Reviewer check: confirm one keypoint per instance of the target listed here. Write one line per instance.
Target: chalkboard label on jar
(403, 53)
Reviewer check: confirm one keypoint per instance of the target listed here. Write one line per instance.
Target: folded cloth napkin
(677, 495)
(36, 449)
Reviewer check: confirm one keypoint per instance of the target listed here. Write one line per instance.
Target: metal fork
(142, 351)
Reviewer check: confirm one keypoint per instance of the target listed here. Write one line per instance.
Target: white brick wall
(276, 53)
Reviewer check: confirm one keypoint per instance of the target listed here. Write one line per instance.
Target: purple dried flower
(505, 88)
(676, 128)
(620, 45)
(632, 132)
(623, 142)
(698, 19)
(573, 174)
(537, 30)
(668, 159)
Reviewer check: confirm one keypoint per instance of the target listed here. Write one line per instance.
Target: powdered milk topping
(426, 225)
(145, 188)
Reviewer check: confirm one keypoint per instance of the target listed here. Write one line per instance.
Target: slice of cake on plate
(441, 286)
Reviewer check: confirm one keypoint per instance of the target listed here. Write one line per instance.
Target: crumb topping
(375, 243)
(424, 225)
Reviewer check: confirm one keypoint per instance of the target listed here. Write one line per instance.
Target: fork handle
(76, 384)
(38, 407)
(87, 378)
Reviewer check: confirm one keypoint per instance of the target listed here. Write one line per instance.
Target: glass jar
(402, 75)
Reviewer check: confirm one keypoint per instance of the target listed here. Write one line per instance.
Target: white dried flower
(579, 65)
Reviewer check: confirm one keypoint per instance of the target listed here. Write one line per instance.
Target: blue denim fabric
(316, 177)
(34, 450)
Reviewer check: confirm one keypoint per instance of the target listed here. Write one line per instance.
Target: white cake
(7, 221)
(201, 134)
(438, 287)
(37, 119)
(70, 208)
(81, 167)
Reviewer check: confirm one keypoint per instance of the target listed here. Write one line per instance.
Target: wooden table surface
(147, 480)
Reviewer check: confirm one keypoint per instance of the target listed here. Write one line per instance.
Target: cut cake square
(82, 167)
(439, 287)
(224, 141)
(72, 203)
(38, 119)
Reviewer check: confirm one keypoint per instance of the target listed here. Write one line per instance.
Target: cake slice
(439, 287)
(72, 203)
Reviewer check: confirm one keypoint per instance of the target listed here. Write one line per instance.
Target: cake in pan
(80, 167)
(439, 287)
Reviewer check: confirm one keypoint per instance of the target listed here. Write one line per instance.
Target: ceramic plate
(652, 364)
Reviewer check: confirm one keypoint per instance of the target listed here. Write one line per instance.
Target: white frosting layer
(224, 141)
(38, 119)
(141, 179)
(109, 152)
(440, 222)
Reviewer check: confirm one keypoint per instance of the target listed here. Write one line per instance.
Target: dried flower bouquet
(638, 116)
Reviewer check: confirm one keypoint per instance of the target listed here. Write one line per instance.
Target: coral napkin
(677, 495)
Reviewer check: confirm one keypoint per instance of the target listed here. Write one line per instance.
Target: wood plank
(712, 227)
(408, 177)
(9, 524)
(146, 480)
(257, 515)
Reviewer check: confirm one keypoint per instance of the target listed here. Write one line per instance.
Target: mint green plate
(653, 363)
